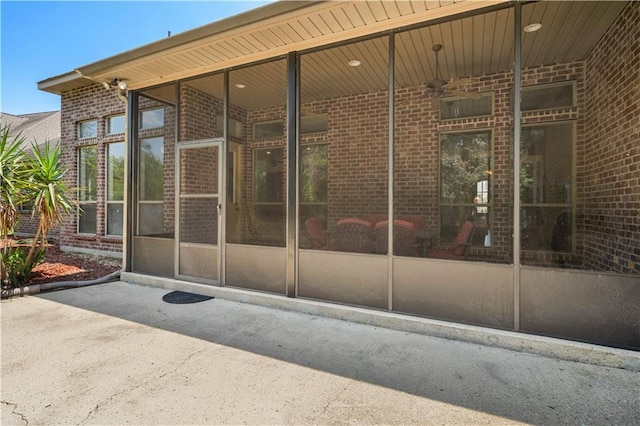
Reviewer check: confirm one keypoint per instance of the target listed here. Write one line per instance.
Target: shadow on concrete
(516, 386)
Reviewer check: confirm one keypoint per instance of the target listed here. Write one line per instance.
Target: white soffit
(308, 25)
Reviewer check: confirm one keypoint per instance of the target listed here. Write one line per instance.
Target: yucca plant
(48, 194)
(13, 183)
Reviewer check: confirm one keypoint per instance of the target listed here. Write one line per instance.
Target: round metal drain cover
(182, 297)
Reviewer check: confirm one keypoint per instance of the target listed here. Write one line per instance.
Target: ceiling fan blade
(463, 94)
(458, 82)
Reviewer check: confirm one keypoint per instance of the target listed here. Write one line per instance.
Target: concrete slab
(116, 353)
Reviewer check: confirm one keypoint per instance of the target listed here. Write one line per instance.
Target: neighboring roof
(266, 32)
(36, 127)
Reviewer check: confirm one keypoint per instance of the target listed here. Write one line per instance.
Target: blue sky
(45, 39)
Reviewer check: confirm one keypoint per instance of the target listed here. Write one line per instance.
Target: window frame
(148, 202)
(107, 201)
(108, 131)
(571, 205)
(81, 202)
(148, 110)
(473, 208)
(254, 177)
(83, 122)
(533, 87)
(466, 117)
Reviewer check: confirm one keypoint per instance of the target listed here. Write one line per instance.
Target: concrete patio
(116, 353)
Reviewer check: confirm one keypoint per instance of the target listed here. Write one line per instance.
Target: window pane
(547, 96)
(115, 171)
(314, 162)
(464, 163)
(270, 129)
(152, 119)
(115, 124)
(88, 174)
(269, 175)
(87, 218)
(546, 156)
(114, 218)
(315, 123)
(344, 149)
(466, 107)
(88, 129)
(151, 169)
(256, 213)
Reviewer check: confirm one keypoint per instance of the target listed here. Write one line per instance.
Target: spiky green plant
(49, 193)
(12, 186)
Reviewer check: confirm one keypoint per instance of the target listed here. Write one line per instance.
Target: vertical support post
(391, 148)
(225, 175)
(292, 171)
(130, 179)
(517, 116)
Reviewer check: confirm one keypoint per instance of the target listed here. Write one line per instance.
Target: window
(314, 163)
(546, 187)
(268, 129)
(465, 187)
(115, 188)
(312, 123)
(115, 124)
(87, 129)
(269, 192)
(459, 107)
(152, 119)
(269, 175)
(150, 189)
(546, 96)
(87, 182)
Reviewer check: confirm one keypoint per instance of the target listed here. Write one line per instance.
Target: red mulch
(62, 266)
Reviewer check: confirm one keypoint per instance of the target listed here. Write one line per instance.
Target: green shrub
(18, 268)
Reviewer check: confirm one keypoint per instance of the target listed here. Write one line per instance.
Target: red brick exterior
(609, 161)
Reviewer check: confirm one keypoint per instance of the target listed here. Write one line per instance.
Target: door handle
(219, 207)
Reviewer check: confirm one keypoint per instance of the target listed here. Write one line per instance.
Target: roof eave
(218, 27)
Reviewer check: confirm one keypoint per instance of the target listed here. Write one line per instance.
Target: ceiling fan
(439, 87)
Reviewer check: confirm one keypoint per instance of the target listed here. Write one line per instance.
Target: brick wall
(609, 163)
(86, 103)
(94, 102)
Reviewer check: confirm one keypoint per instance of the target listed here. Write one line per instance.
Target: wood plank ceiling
(472, 46)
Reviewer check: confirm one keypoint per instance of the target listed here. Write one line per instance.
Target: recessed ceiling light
(532, 27)
(354, 63)
(240, 85)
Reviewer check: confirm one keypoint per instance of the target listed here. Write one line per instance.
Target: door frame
(180, 147)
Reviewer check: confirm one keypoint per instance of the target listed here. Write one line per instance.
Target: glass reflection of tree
(151, 170)
(116, 169)
(464, 163)
(529, 139)
(89, 174)
(314, 174)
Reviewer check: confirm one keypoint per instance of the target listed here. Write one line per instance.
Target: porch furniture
(460, 246)
(404, 238)
(316, 232)
(418, 221)
(354, 235)
(426, 238)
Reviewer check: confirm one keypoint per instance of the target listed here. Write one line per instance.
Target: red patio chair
(404, 238)
(460, 246)
(316, 231)
(354, 235)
